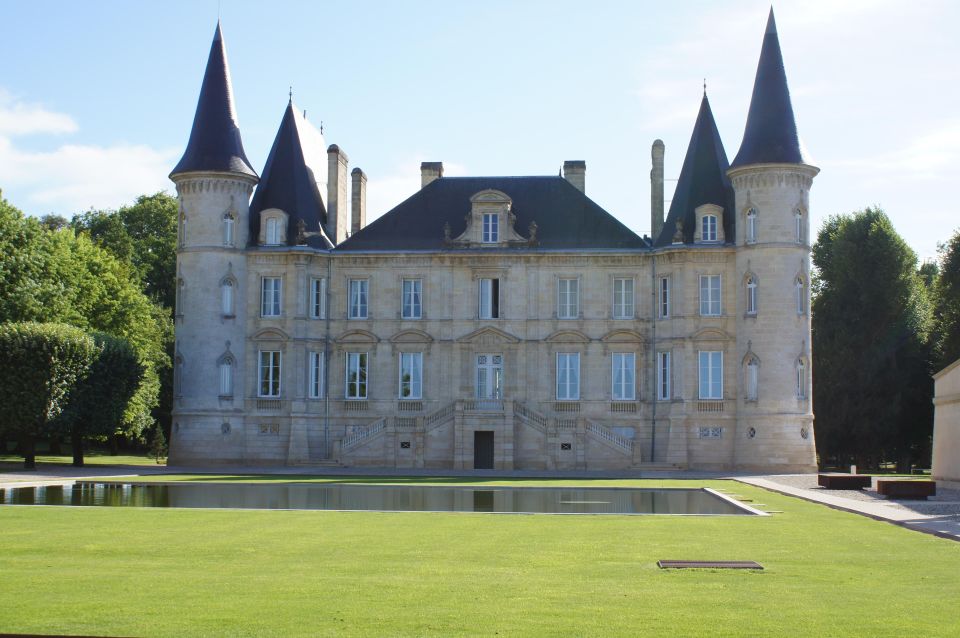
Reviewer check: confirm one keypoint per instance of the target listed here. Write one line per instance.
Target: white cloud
(932, 155)
(383, 193)
(17, 118)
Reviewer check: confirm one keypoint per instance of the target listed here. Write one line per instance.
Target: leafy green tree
(947, 303)
(39, 365)
(871, 324)
(158, 444)
(99, 402)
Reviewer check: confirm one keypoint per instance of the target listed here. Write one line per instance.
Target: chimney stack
(430, 171)
(575, 172)
(338, 220)
(358, 200)
(656, 189)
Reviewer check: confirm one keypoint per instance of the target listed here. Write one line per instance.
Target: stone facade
(946, 426)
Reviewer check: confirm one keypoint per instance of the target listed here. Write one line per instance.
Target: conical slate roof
(293, 180)
(703, 180)
(215, 143)
(771, 133)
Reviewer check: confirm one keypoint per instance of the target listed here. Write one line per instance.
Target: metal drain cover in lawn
(709, 564)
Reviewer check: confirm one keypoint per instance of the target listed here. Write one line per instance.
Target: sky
(97, 98)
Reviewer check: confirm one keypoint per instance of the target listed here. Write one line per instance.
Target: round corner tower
(771, 177)
(214, 182)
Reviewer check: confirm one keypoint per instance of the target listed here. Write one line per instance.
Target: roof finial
(704, 87)
(291, 94)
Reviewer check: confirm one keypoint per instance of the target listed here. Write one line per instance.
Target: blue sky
(96, 99)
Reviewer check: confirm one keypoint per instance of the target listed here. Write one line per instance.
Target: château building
(493, 322)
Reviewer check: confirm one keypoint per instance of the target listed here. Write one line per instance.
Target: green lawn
(14, 462)
(154, 572)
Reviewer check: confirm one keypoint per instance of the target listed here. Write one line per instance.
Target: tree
(946, 294)
(871, 322)
(98, 403)
(39, 365)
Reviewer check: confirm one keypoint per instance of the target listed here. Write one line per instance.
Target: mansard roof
(292, 179)
(565, 217)
(703, 180)
(215, 143)
(771, 133)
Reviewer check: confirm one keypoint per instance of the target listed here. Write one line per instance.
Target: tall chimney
(575, 172)
(338, 220)
(358, 200)
(430, 171)
(656, 189)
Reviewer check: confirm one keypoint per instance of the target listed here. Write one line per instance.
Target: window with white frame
(411, 375)
(226, 298)
(663, 376)
(801, 295)
(751, 225)
(358, 298)
(752, 374)
(318, 298)
(711, 374)
(710, 295)
(624, 376)
(226, 377)
(228, 224)
(272, 234)
(411, 302)
(270, 288)
(568, 376)
(664, 298)
(798, 220)
(623, 298)
(489, 298)
(491, 228)
(708, 228)
(269, 373)
(568, 298)
(356, 375)
(751, 286)
(801, 379)
(316, 374)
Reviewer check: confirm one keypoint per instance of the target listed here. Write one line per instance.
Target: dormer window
(491, 228)
(751, 225)
(708, 229)
(709, 224)
(273, 227)
(273, 232)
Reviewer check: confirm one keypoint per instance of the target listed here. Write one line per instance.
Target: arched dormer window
(752, 378)
(228, 228)
(708, 228)
(751, 225)
(750, 283)
(798, 221)
(227, 304)
(801, 379)
(801, 295)
(272, 235)
(226, 376)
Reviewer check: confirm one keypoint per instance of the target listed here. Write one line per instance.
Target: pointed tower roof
(294, 179)
(215, 143)
(771, 135)
(703, 180)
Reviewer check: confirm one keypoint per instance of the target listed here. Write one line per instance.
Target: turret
(214, 180)
(771, 177)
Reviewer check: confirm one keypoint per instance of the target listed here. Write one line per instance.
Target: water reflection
(401, 498)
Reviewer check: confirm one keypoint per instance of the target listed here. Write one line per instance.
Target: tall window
(623, 298)
(411, 303)
(489, 302)
(710, 295)
(226, 377)
(798, 220)
(751, 285)
(801, 379)
(270, 296)
(411, 375)
(663, 376)
(801, 295)
(624, 376)
(568, 376)
(711, 374)
(568, 298)
(272, 234)
(318, 298)
(751, 225)
(708, 228)
(664, 297)
(356, 375)
(269, 373)
(226, 298)
(315, 361)
(491, 228)
(358, 298)
(752, 378)
(228, 229)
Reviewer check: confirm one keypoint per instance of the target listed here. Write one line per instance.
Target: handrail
(354, 439)
(610, 436)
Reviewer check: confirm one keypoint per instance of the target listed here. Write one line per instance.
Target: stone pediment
(357, 336)
(271, 334)
(623, 336)
(711, 334)
(488, 335)
(411, 336)
(568, 336)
